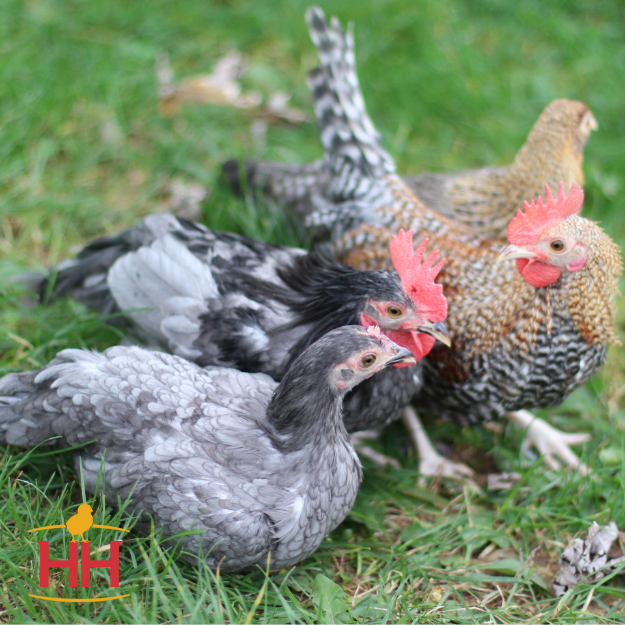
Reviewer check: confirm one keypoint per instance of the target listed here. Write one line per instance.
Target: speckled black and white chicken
(253, 468)
(223, 299)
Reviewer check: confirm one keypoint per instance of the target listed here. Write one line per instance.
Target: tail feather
(35, 410)
(85, 277)
(357, 163)
(338, 193)
(353, 147)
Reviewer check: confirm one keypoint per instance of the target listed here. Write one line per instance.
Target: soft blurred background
(88, 146)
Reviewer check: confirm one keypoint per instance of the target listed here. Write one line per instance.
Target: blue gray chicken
(251, 467)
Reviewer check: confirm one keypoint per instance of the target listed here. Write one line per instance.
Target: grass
(450, 84)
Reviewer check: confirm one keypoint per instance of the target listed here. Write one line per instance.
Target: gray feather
(211, 450)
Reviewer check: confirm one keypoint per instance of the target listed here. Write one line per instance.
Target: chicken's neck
(325, 294)
(591, 299)
(525, 178)
(305, 410)
(507, 308)
(548, 154)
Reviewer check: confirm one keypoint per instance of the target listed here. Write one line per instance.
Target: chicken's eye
(393, 311)
(557, 246)
(368, 360)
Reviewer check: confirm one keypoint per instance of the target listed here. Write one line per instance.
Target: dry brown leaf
(185, 199)
(278, 105)
(503, 481)
(221, 87)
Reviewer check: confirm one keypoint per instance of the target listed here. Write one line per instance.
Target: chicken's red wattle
(537, 273)
(418, 343)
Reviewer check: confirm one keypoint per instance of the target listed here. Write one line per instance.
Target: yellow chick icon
(80, 522)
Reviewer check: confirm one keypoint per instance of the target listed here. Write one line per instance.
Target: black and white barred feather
(339, 193)
(486, 386)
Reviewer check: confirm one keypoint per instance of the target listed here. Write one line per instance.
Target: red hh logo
(77, 525)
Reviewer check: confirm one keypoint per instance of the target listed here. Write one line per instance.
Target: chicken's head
(565, 124)
(545, 240)
(370, 351)
(415, 321)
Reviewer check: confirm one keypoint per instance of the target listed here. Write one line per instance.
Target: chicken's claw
(435, 465)
(431, 463)
(358, 439)
(550, 442)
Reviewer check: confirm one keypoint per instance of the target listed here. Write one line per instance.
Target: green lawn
(450, 84)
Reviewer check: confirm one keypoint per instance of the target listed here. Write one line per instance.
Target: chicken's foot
(358, 441)
(549, 441)
(431, 463)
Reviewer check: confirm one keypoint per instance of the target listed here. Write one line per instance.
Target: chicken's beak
(515, 251)
(438, 330)
(591, 121)
(403, 356)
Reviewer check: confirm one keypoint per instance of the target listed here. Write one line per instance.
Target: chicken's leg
(358, 441)
(431, 463)
(549, 441)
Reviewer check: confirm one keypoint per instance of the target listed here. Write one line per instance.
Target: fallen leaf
(587, 559)
(503, 481)
(221, 87)
(185, 199)
(278, 105)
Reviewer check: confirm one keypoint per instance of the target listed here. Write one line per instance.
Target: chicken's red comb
(417, 279)
(526, 228)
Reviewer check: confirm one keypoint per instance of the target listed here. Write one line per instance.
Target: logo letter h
(86, 564)
(46, 563)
